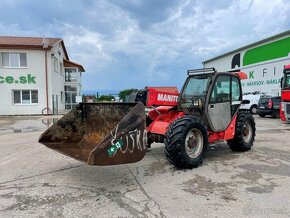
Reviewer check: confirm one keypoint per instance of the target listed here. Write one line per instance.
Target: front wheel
(245, 132)
(186, 142)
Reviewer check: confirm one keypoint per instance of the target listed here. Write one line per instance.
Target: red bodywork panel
(159, 96)
(282, 113)
(161, 124)
(229, 133)
(156, 112)
(242, 75)
(162, 116)
(163, 120)
(285, 95)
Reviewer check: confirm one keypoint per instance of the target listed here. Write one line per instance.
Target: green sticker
(115, 147)
(267, 52)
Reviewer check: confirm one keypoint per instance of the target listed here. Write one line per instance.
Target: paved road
(38, 182)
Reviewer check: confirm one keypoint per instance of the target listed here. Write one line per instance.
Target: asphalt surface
(38, 182)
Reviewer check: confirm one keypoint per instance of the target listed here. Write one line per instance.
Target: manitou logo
(165, 97)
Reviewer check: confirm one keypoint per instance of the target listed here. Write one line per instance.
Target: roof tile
(6, 41)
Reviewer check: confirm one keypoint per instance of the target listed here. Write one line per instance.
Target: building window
(55, 64)
(70, 96)
(13, 60)
(25, 96)
(71, 75)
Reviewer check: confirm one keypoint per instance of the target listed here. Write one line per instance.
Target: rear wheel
(186, 142)
(245, 132)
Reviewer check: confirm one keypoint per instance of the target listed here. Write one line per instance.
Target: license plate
(262, 107)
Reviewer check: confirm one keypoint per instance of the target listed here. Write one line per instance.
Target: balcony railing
(72, 77)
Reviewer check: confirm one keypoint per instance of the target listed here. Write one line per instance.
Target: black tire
(185, 129)
(148, 122)
(245, 132)
(46, 111)
(253, 109)
(262, 115)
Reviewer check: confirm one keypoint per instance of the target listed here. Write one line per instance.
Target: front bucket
(100, 133)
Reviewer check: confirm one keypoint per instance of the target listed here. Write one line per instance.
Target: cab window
(221, 90)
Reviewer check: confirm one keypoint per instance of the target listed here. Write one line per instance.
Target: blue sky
(137, 43)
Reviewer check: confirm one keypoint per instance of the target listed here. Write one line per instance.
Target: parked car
(254, 99)
(269, 106)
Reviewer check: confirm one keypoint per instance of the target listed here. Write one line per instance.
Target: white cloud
(123, 44)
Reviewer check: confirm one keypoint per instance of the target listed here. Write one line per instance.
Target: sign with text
(28, 79)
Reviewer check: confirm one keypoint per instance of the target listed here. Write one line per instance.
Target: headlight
(197, 102)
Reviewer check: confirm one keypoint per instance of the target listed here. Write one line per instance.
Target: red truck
(285, 94)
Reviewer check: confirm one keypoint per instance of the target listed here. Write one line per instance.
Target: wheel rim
(247, 132)
(193, 143)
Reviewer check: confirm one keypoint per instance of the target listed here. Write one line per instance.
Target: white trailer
(263, 61)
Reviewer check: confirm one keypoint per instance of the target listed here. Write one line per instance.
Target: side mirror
(246, 102)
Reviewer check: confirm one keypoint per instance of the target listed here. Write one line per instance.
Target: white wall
(36, 68)
(266, 77)
(267, 74)
(57, 77)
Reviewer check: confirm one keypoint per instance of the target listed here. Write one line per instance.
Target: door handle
(211, 106)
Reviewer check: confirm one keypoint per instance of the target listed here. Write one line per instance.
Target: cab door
(224, 101)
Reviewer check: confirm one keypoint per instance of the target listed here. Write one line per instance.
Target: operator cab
(215, 97)
(193, 93)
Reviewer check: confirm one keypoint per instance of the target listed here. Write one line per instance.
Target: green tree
(106, 98)
(126, 92)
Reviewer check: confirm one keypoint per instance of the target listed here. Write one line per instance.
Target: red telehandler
(205, 111)
(285, 95)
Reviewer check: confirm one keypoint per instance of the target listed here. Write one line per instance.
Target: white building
(263, 61)
(35, 74)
